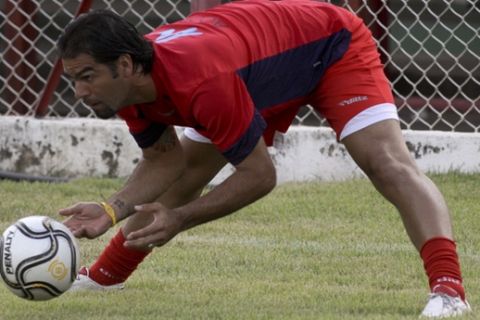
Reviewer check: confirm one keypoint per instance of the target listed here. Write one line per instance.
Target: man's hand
(87, 219)
(165, 225)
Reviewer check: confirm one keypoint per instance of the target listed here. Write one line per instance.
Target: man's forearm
(145, 185)
(238, 191)
(160, 167)
(253, 178)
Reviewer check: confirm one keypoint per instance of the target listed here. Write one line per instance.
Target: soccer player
(234, 75)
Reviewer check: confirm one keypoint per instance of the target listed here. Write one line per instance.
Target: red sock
(441, 264)
(116, 263)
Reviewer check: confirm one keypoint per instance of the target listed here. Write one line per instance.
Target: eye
(86, 78)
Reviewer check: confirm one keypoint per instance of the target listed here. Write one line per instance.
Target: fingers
(72, 223)
(68, 211)
(74, 209)
(79, 233)
(75, 227)
(150, 229)
(144, 237)
(141, 244)
(149, 207)
(80, 230)
(85, 220)
(151, 235)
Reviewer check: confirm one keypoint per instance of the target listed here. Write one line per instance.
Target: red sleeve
(225, 112)
(144, 131)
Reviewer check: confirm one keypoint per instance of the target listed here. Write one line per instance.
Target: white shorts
(362, 120)
(368, 117)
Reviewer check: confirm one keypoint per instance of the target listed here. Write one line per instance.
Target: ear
(125, 65)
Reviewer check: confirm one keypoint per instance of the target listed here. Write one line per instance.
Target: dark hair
(105, 36)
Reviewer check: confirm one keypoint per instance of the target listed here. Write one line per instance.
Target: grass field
(306, 251)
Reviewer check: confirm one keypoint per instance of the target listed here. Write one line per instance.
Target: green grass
(307, 251)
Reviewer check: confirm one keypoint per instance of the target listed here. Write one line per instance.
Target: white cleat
(83, 282)
(441, 305)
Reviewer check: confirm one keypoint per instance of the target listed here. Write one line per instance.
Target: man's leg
(116, 263)
(380, 151)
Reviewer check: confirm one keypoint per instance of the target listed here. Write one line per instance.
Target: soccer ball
(39, 258)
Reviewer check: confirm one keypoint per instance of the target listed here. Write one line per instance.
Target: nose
(81, 90)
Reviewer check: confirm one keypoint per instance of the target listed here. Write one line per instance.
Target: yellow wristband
(109, 211)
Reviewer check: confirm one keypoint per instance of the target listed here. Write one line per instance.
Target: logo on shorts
(353, 100)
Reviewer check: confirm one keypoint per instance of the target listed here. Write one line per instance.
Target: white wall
(91, 147)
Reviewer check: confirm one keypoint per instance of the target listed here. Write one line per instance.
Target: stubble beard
(105, 113)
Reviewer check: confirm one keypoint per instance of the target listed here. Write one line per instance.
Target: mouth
(92, 104)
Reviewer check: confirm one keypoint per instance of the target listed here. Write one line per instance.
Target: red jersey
(224, 70)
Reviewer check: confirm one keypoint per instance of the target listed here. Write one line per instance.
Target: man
(233, 75)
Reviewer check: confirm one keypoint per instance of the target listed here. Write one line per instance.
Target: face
(104, 90)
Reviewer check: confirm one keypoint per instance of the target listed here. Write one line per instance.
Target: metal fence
(431, 52)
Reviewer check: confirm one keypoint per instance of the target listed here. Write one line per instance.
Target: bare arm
(255, 176)
(161, 165)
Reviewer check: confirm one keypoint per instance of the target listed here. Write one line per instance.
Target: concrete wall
(91, 147)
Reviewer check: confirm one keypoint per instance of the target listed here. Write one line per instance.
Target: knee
(393, 172)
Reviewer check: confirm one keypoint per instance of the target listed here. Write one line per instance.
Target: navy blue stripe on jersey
(247, 142)
(293, 73)
(149, 136)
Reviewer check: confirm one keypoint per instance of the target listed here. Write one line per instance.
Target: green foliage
(332, 250)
